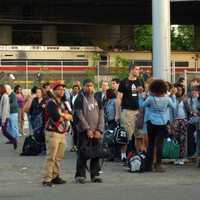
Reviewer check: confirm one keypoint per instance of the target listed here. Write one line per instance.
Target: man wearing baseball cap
(57, 116)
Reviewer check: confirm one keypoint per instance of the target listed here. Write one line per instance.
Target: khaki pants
(128, 118)
(56, 149)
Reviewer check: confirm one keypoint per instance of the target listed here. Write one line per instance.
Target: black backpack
(121, 135)
(30, 147)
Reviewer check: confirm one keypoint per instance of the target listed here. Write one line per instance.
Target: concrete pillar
(5, 35)
(126, 36)
(49, 35)
(161, 39)
(197, 37)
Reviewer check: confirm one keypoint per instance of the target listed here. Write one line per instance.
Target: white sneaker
(179, 162)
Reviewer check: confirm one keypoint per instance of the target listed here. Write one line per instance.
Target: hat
(57, 84)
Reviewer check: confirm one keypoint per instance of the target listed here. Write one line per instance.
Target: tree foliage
(143, 37)
(182, 37)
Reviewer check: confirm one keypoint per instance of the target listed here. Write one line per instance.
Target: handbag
(171, 149)
(91, 150)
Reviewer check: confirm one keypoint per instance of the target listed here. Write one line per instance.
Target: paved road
(20, 180)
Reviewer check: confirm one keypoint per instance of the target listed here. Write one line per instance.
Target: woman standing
(27, 106)
(158, 104)
(37, 118)
(21, 102)
(181, 115)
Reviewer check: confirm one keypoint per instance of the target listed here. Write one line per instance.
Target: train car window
(44, 62)
(143, 62)
(182, 64)
(73, 62)
(41, 62)
(104, 60)
(8, 55)
(81, 56)
(13, 62)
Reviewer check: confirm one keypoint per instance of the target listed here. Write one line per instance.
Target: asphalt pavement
(20, 179)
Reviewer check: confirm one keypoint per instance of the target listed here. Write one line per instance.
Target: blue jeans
(198, 142)
(13, 126)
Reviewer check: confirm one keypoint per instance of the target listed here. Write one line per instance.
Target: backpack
(108, 137)
(121, 135)
(110, 110)
(30, 147)
(136, 162)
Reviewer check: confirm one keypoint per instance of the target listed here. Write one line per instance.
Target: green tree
(143, 37)
(182, 37)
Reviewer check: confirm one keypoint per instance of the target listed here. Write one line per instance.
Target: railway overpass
(123, 12)
(51, 22)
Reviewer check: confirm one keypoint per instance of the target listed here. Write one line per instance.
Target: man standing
(56, 127)
(90, 124)
(128, 100)
(101, 96)
(73, 96)
(13, 126)
(115, 85)
(4, 116)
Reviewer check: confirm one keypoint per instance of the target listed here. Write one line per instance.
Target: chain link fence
(36, 72)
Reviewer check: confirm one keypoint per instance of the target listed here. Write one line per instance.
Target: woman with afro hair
(158, 104)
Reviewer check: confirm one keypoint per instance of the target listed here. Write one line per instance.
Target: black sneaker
(15, 146)
(58, 181)
(47, 184)
(80, 180)
(96, 180)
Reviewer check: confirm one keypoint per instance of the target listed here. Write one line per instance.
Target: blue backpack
(110, 109)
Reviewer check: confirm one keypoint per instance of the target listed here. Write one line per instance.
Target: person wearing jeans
(5, 116)
(13, 126)
(196, 122)
(198, 143)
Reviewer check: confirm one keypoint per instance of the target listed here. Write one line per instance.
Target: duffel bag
(90, 150)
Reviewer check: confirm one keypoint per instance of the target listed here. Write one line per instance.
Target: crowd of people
(148, 109)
